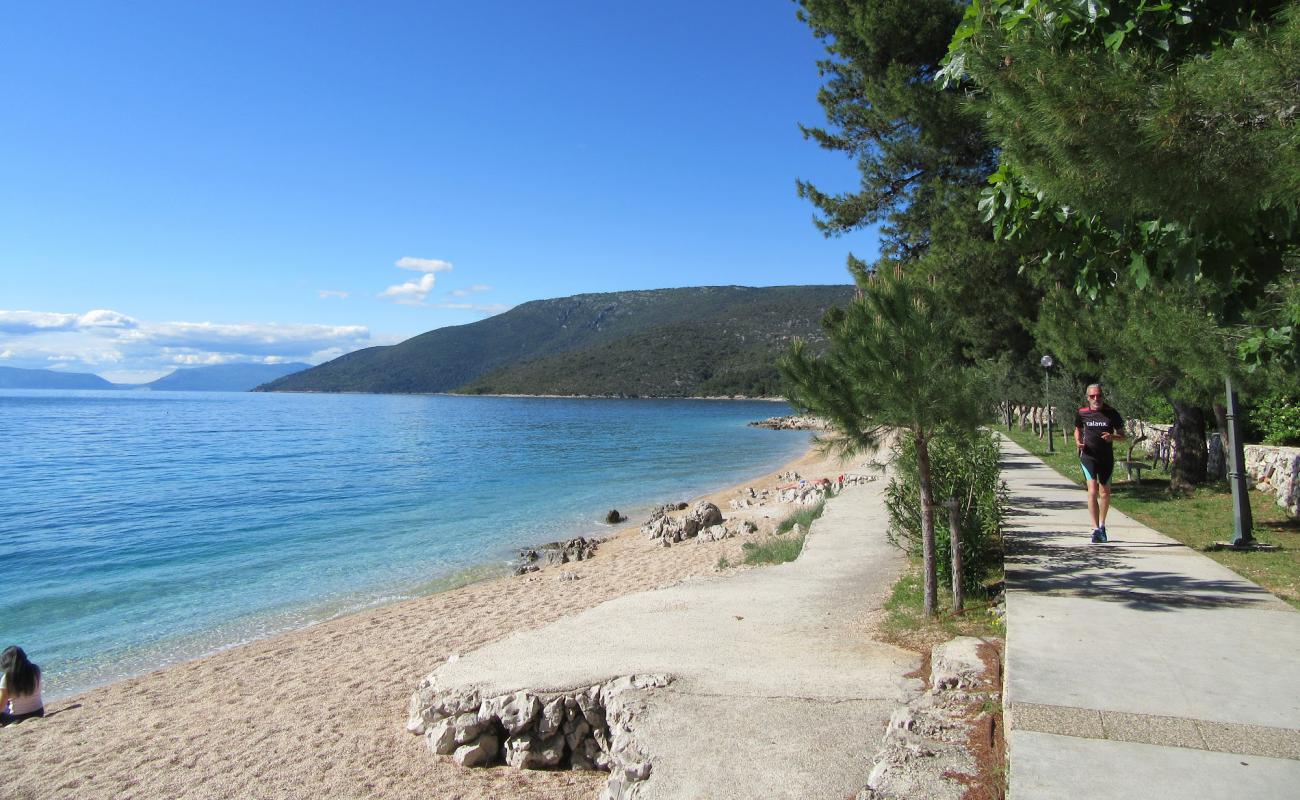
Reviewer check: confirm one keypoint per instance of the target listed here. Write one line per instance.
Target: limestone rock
(481, 752)
(468, 726)
(956, 664)
(442, 738)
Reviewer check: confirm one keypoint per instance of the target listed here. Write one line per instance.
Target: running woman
(1096, 426)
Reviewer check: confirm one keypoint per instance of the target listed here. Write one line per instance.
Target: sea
(139, 529)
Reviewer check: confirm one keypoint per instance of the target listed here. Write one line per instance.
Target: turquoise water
(139, 529)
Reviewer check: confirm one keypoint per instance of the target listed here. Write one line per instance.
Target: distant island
(15, 378)
(223, 377)
(705, 341)
(214, 378)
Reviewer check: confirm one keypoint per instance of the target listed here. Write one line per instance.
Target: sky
(198, 183)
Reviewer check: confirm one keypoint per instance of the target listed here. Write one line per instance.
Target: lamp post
(1046, 363)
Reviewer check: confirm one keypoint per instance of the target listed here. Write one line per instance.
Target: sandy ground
(320, 712)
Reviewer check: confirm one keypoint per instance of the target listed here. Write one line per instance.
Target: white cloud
(326, 293)
(429, 265)
(411, 293)
(101, 339)
(258, 339)
(32, 322)
(103, 318)
(23, 322)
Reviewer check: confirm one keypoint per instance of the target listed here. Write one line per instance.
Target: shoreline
(735, 398)
(282, 712)
(342, 607)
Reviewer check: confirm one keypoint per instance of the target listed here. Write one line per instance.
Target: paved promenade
(1139, 668)
(777, 690)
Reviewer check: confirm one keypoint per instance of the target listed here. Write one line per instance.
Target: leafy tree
(892, 362)
(1154, 348)
(922, 163)
(1153, 140)
(1149, 145)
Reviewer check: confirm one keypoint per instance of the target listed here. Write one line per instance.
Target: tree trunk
(954, 542)
(1188, 470)
(1225, 444)
(927, 527)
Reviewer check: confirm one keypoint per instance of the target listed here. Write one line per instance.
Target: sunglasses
(1094, 397)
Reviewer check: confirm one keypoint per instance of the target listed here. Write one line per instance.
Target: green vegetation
(963, 465)
(1277, 418)
(780, 548)
(1198, 519)
(711, 340)
(1114, 182)
(773, 550)
(892, 362)
(1149, 177)
(907, 625)
(802, 519)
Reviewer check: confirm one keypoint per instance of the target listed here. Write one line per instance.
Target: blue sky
(190, 183)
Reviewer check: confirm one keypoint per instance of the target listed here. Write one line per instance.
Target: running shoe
(1098, 536)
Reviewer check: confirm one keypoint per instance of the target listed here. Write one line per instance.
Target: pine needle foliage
(892, 362)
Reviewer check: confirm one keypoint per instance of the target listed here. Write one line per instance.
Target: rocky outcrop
(589, 727)
(925, 751)
(792, 423)
(1276, 470)
(561, 552)
(797, 491)
(672, 529)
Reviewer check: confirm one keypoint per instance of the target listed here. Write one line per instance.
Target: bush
(962, 465)
(1277, 417)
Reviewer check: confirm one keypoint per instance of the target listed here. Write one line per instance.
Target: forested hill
(708, 340)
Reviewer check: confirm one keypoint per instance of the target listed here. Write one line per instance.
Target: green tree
(1153, 140)
(1148, 145)
(1158, 348)
(922, 163)
(892, 362)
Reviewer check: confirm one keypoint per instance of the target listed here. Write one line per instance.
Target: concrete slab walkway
(778, 690)
(1138, 668)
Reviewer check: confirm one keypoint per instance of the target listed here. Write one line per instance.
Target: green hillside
(663, 342)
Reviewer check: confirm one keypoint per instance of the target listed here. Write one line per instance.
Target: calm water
(138, 529)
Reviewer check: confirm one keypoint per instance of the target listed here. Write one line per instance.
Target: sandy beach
(321, 711)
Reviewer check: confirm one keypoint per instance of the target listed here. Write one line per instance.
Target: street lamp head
(1046, 362)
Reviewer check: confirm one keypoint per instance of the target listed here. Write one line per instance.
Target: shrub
(964, 466)
(1277, 417)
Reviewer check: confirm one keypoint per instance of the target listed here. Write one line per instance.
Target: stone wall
(1276, 470)
(590, 727)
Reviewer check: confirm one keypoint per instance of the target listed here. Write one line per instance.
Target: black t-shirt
(1094, 424)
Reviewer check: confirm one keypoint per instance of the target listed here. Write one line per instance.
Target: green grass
(775, 550)
(1197, 519)
(802, 519)
(907, 626)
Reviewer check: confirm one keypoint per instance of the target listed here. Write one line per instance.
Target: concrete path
(777, 692)
(1138, 668)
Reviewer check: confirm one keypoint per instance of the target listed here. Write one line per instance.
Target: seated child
(20, 687)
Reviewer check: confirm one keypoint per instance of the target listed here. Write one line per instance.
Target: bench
(1135, 466)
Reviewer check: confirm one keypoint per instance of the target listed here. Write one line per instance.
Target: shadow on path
(1063, 563)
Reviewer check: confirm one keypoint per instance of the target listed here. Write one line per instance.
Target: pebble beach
(321, 711)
